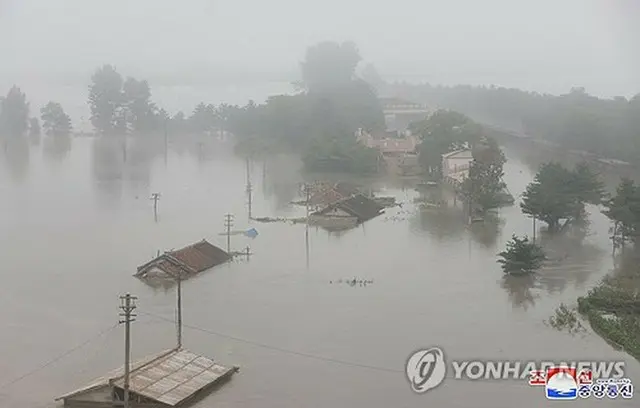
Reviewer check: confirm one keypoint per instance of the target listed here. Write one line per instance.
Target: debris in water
(353, 282)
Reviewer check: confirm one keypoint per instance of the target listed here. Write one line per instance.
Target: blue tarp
(252, 233)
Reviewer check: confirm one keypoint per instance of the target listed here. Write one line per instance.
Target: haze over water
(74, 225)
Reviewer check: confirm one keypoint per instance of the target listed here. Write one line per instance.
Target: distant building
(173, 378)
(399, 113)
(390, 143)
(184, 262)
(455, 165)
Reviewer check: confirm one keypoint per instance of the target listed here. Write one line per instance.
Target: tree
(141, 113)
(484, 186)
(54, 120)
(203, 118)
(443, 132)
(328, 66)
(521, 257)
(14, 113)
(372, 77)
(106, 101)
(624, 210)
(557, 193)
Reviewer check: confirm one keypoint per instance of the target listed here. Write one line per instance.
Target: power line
(282, 350)
(58, 358)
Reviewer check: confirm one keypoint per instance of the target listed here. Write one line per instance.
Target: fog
(545, 45)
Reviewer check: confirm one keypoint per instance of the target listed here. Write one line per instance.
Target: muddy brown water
(75, 221)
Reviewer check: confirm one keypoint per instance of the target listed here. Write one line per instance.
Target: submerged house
(173, 378)
(347, 213)
(324, 194)
(455, 166)
(184, 262)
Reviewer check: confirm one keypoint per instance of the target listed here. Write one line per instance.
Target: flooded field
(76, 220)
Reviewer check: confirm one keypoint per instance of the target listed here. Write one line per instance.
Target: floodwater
(76, 220)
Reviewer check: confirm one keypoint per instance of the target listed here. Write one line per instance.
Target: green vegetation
(54, 120)
(321, 121)
(557, 193)
(443, 132)
(447, 131)
(566, 319)
(14, 113)
(614, 313)
(344, 155)
(521, 257)
(624, 210)
(577, 120)
(484, 187)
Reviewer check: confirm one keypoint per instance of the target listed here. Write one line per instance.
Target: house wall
(337, 212)
(155, 272)
(455, 164)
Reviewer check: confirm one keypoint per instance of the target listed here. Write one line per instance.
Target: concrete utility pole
(307, 191)
(228, 223)
(179, 309)
(249, 187)
(534, 230)
(155, 197)
(127, 304)
(166, 142)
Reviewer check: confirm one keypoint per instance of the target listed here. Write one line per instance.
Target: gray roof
(169, 378)
(358, 206)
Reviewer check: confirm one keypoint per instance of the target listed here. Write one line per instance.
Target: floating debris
(297, 220)
(353, 282)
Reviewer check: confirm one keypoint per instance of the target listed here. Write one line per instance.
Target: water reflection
(519, 290)
(34, 139)
(569, 261)
(108, 169)
(486, 232)
(16, 158)
(140, 154)
(56, 148)
(443, 223)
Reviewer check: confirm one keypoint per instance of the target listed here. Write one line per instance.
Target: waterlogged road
(75, 221)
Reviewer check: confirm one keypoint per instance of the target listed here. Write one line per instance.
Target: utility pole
(307, 191)
(249, 188)
(534, 229)
(166, 142)
(179, 309)
(228, 223)
(127, 305)
(155, 197)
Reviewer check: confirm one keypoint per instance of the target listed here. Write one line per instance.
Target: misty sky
(543, 45)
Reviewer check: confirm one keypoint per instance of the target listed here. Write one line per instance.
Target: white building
(455, 165)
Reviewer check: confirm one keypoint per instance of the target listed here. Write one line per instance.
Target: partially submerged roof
(187, 261)
(327, 193)
(358, 206)
(466, 153)
(169, 378)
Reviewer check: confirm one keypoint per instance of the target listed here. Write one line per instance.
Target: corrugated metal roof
(168, 378)
(175, 377)
(113, 374)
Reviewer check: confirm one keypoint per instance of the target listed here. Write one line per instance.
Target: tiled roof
(359, 206)
(201, 256)
(192, 259)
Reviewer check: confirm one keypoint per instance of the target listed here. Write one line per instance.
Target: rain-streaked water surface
(76, 220)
